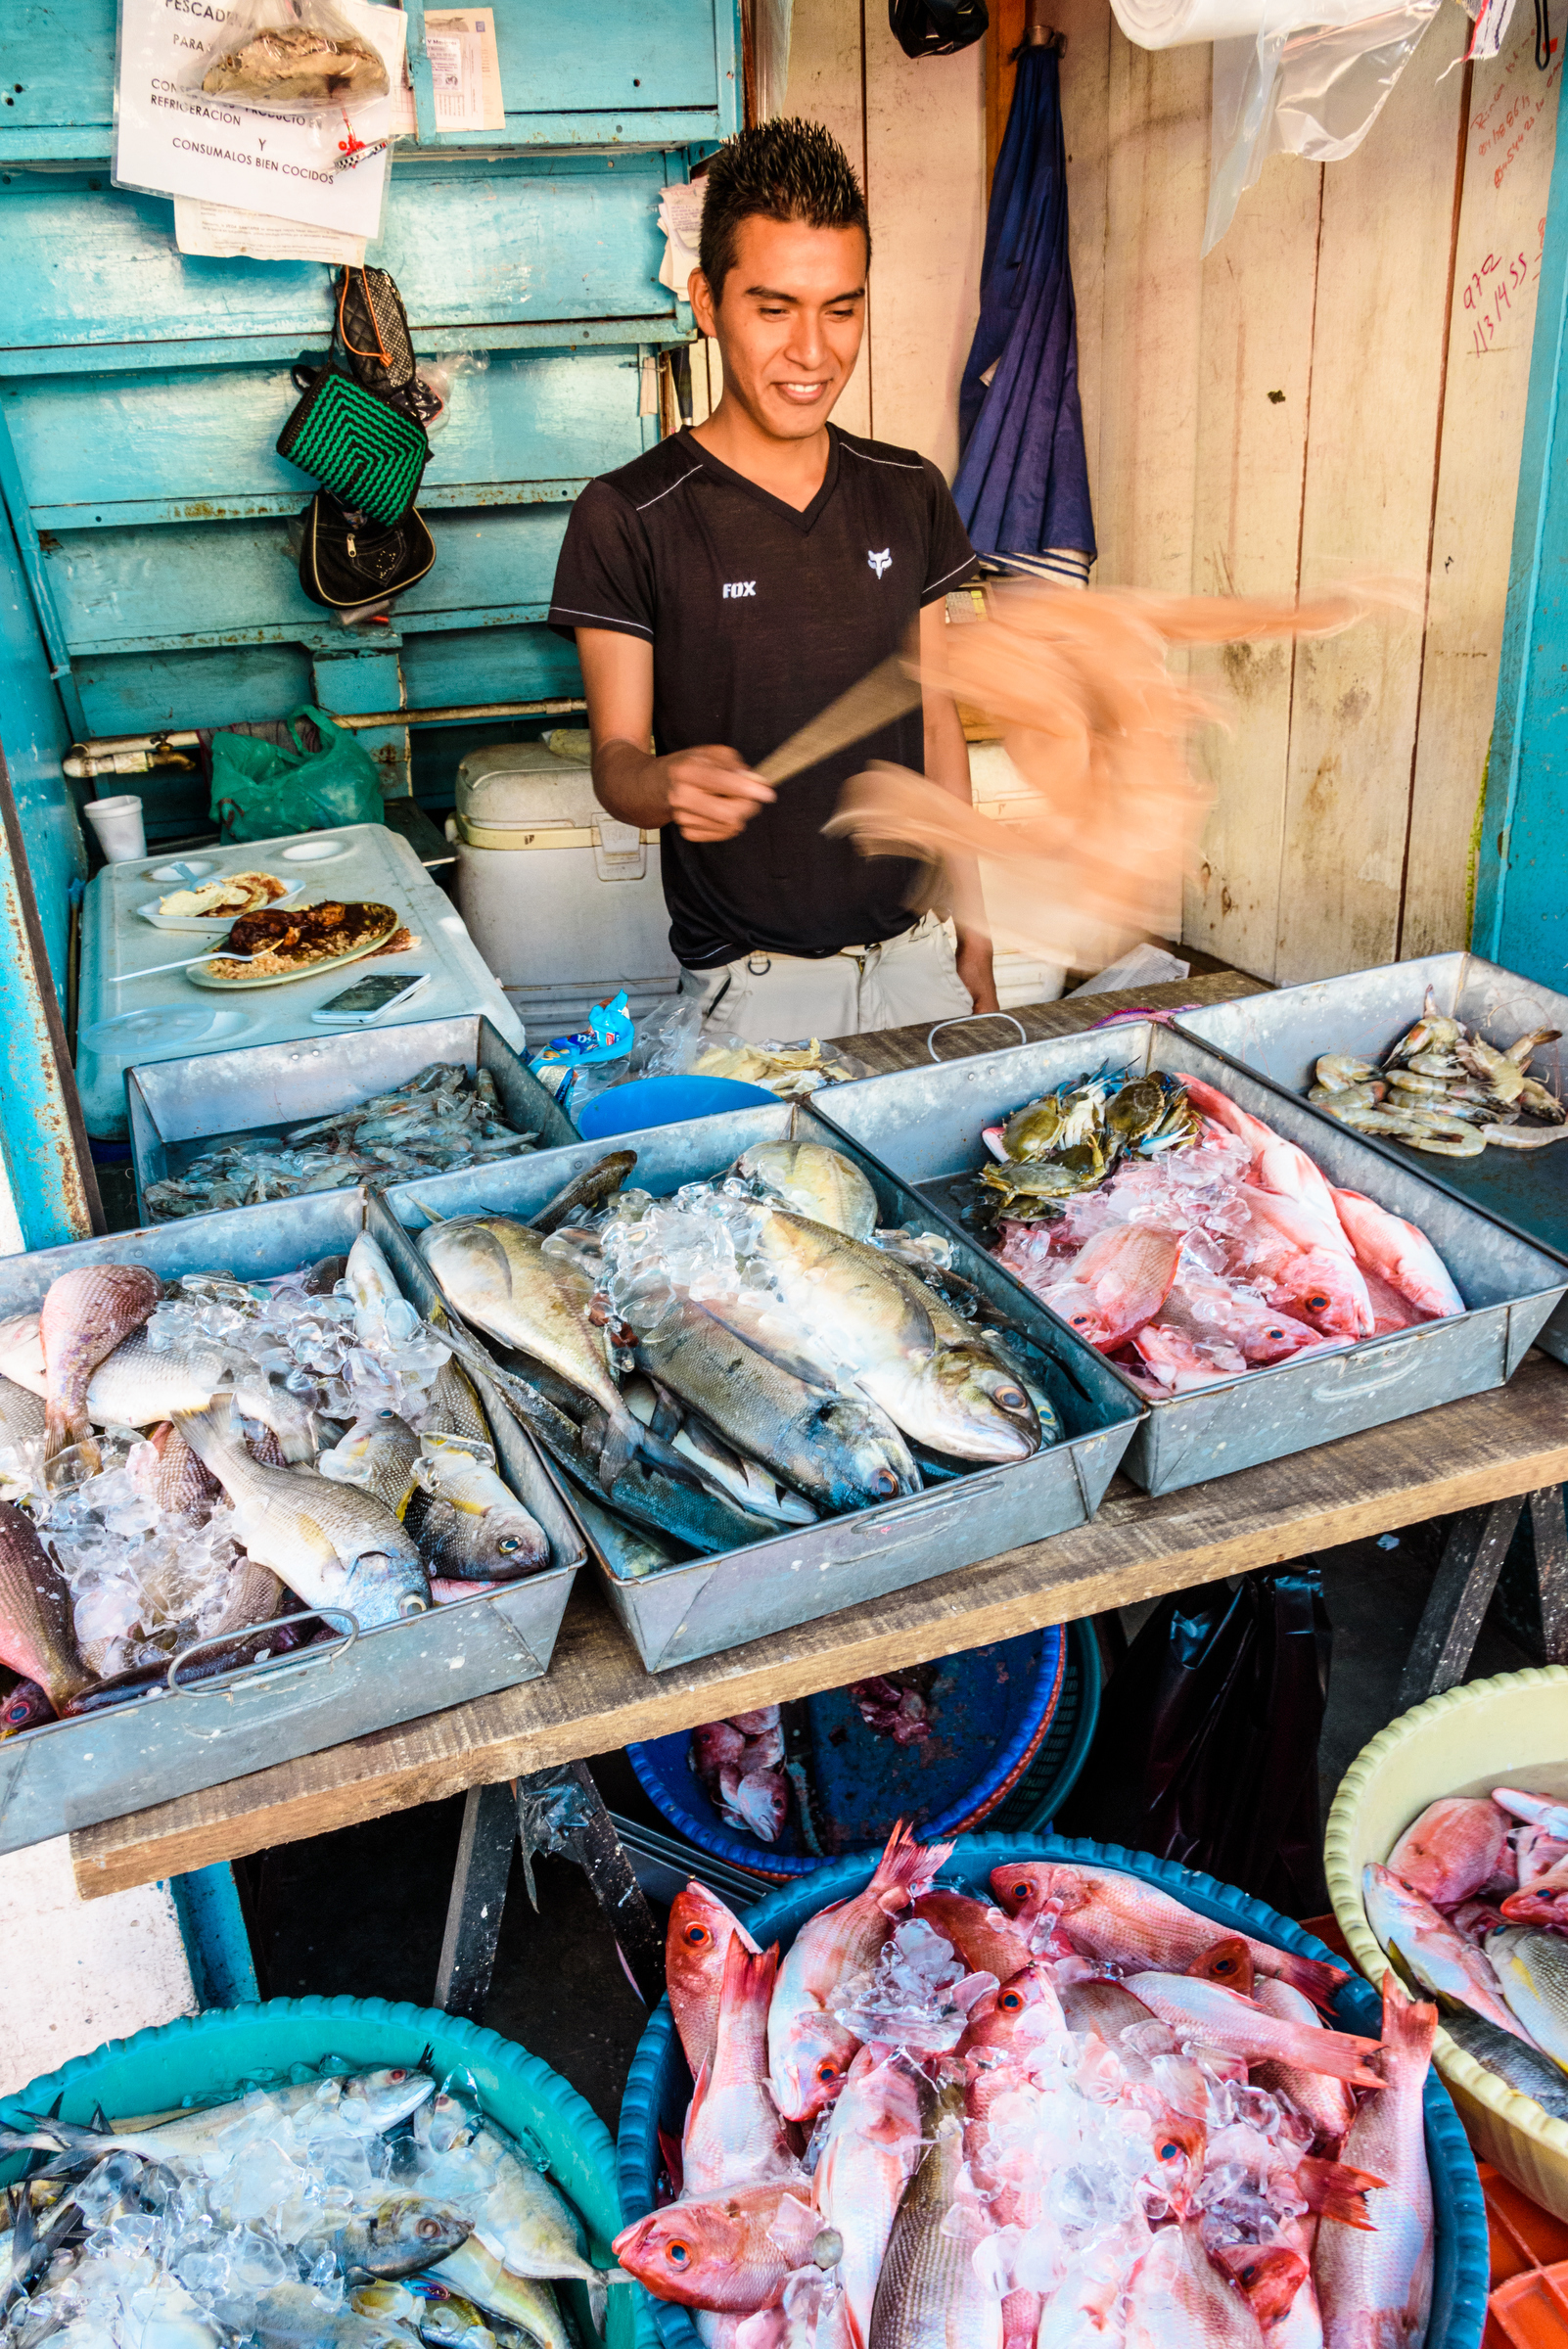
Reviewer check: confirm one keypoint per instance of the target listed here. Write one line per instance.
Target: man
(729, 584)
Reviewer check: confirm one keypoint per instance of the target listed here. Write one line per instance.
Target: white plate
(206, 925)
(320, 851)
(188, 868)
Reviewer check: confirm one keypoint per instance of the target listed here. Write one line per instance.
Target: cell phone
(368, 999)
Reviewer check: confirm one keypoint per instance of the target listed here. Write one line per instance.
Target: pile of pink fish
(1473, 1905)
(1224, 1255)
(741, 1764)
(1074, 2117)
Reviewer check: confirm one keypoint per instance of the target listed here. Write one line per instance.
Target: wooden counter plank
(597, 1696)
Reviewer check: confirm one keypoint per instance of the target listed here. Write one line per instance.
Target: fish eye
(1020, 1892)
(884, 1481)
(1170, 2150)
(1009, 1399)
(827, 2070)
(507, 1543)
(696, 1935)
(1316, 1304)
(678, 2254)
(1225, 1965)
(1274, 1333)
(1249, 2273)
(1010, 2002)
(395, 2077)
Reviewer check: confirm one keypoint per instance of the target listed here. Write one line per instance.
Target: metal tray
(1282, 1035)
(924, 1124)
(72, 1774)
(179, 1108)
(676, 1612)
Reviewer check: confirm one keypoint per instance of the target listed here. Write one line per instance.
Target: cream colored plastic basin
(1508, 1731)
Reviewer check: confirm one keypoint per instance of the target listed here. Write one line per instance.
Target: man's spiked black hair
(780, 170)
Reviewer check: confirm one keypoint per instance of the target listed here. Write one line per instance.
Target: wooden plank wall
(1337, 390)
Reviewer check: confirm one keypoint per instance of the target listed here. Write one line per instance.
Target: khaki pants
(781, 997)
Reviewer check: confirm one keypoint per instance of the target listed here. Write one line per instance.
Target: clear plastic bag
(1313, 90)
(290, 57)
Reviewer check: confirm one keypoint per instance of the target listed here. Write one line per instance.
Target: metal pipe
(137, 754)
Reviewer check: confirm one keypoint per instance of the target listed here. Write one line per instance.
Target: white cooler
(563, 902)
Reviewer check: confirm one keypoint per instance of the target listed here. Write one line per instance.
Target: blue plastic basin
(203, 2058)
(660, 2085)
(663, 1101)
(992, 1707)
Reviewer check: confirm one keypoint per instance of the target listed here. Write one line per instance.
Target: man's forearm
(631, 784)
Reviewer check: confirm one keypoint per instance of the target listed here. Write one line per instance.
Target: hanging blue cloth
(1023, 482)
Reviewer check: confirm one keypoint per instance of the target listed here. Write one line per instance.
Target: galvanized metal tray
(179, 1108)
(1279, 1035)
(924, 1124)
(72, 1773)
(678, 1611)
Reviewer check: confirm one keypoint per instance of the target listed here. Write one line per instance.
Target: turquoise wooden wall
(145, 568)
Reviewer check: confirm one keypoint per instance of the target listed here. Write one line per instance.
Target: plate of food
(280, 943)
(209, 907)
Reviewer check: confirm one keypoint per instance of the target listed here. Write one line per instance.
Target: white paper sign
(170, 140)
(465, 70)
(222, 232)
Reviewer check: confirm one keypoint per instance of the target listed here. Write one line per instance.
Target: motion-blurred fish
(83, 1317)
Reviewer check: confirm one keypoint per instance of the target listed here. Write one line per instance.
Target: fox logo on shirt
(879, 563)
(738, 587)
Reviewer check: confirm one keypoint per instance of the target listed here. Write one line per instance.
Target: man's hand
(712, 794)
(974, 966)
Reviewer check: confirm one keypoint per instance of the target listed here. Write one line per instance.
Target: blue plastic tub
(994, 1706)
(660, 2083)
(646, 1101)
(1029, 1807)
(203, 2058)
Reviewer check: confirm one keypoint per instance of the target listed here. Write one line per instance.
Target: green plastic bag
(261, 790)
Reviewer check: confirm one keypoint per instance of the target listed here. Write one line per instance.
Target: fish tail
(748, 1978)
(66, 1423)
(907, 1869)
(1410, 2028)
(1313, 1977)
(210, 1433)
(1334, 2190)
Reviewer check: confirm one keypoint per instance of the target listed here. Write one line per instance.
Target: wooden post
(478, 1896)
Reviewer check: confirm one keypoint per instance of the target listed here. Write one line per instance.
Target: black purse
(346, 563)
(373, 330)
(937, 28)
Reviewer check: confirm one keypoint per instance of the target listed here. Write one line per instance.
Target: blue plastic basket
(644, 1101)
(1002, 1701)
(202, 2058)
(660, 2083)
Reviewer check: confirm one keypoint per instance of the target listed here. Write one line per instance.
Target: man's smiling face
(787, 322)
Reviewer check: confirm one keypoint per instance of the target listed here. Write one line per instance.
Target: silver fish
(494, 1272)
(474, 1529)
(1532, 1969)
(883, 1323)
(454, 1410)
(370, 2104)
(815, 1181)
(378, 1454)
(399, 2237)
(331, 1544)
(1519, 2066)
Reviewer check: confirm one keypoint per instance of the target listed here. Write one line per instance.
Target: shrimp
(1521, 1137)
(1337, 1070)
(1432, 1033)
(1410, 1082)
(1347, 1096)
(1522, 1052)
(1452, 1141)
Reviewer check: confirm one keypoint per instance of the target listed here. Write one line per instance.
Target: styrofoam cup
(118, 823)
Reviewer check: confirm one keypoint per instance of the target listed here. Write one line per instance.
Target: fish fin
(906, 1868)
(1227, 1961)
(674, 2165)
(699, 2095)
(748, 1980)
(431, 1214)
(23, 2236)
(1313, 1977)
(598, 2302)
(1335, 2190)
(1410, 2028)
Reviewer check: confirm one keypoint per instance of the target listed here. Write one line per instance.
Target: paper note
(465, 69)
(222, 232)
(326, 170)
(681, 216)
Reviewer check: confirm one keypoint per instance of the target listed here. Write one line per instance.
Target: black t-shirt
(760, 616)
